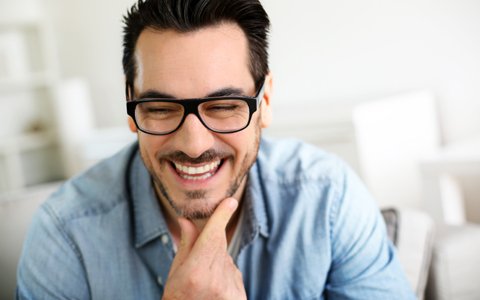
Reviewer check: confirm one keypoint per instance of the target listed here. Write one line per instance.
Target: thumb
(189, 234)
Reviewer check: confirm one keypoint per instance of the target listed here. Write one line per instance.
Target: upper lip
(197, 169)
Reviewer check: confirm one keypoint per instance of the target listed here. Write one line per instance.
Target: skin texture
(200, 214)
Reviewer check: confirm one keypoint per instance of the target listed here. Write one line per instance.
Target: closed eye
(222, 107)
(160, 110)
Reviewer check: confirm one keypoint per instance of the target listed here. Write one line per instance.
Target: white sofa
(455, 267)
(16, 211)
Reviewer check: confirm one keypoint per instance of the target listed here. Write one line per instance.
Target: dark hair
(190, 15)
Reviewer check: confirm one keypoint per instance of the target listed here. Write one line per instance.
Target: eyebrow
(230, 91)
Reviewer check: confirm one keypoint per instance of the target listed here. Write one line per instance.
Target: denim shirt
(310, 231)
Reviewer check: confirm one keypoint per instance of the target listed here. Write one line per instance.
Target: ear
(131, 124)
(266, 109)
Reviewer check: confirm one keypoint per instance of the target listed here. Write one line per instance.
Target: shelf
(26, 142)
(28, 82)
(26, 22)
(40, 79)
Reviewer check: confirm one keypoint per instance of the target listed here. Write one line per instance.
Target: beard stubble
(203, 208)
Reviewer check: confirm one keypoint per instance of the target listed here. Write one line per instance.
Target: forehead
(189, 64)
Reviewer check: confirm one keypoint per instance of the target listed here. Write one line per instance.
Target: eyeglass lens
(218, 115)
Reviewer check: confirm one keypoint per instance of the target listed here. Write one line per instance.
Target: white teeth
(197, 170)
(197, 177)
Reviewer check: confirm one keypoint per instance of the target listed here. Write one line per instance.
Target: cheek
(244, 142)
(151, 146)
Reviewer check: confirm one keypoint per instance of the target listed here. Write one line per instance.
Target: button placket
(165, 239)
(160, 281)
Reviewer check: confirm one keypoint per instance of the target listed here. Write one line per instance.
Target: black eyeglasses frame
(190, 106)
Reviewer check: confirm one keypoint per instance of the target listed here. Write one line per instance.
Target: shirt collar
(149, 222)
(254, 202)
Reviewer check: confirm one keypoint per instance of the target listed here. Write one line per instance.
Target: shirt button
(159, 281)
(165, 239)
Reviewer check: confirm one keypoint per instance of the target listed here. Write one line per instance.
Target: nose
(193, 138)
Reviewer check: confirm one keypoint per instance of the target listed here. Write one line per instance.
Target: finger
(189, 235)
(213, 233)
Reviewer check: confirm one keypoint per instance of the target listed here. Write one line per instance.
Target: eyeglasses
(161, 116)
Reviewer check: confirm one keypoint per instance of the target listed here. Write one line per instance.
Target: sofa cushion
(455, 268)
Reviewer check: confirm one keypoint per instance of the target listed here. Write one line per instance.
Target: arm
(50, 266)
(364, 262)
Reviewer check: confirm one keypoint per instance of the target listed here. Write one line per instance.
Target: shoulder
(314, 178)
(65, 227)
(293, 161)
(291, 175)
(94, 191)
(296, 178)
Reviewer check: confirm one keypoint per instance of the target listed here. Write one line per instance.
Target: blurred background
(392, 87)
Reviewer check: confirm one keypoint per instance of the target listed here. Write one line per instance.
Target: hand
(202, 268)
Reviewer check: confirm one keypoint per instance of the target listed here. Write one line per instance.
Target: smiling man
(202, 207)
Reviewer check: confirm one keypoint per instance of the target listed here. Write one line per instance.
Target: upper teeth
(197, 170)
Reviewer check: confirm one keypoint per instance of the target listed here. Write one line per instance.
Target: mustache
(181, 157)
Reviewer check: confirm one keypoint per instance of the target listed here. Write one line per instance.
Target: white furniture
(454, 272)
(28, 77)
(392, 135)
(444, 197)
(412, 232)
(103, 143)
(403, 165)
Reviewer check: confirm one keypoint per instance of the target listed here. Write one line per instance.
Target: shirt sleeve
(364, 261)
(50, 266)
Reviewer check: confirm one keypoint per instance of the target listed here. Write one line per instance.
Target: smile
(201, 172)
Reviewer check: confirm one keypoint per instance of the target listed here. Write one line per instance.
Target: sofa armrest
(412, 232)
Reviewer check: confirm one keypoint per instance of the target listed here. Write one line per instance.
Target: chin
(196, 208)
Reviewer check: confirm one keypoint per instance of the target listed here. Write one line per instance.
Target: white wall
(346, 49)
(321, 52)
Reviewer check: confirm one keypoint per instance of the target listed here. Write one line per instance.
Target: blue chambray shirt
(311, 231)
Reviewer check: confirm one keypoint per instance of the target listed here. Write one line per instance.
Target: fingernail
(181, 223)
(232, 203)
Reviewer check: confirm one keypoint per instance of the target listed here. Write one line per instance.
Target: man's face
(194, 168)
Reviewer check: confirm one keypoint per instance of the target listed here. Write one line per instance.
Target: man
(202, 207)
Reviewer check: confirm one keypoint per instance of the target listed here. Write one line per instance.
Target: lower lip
(197, 183)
